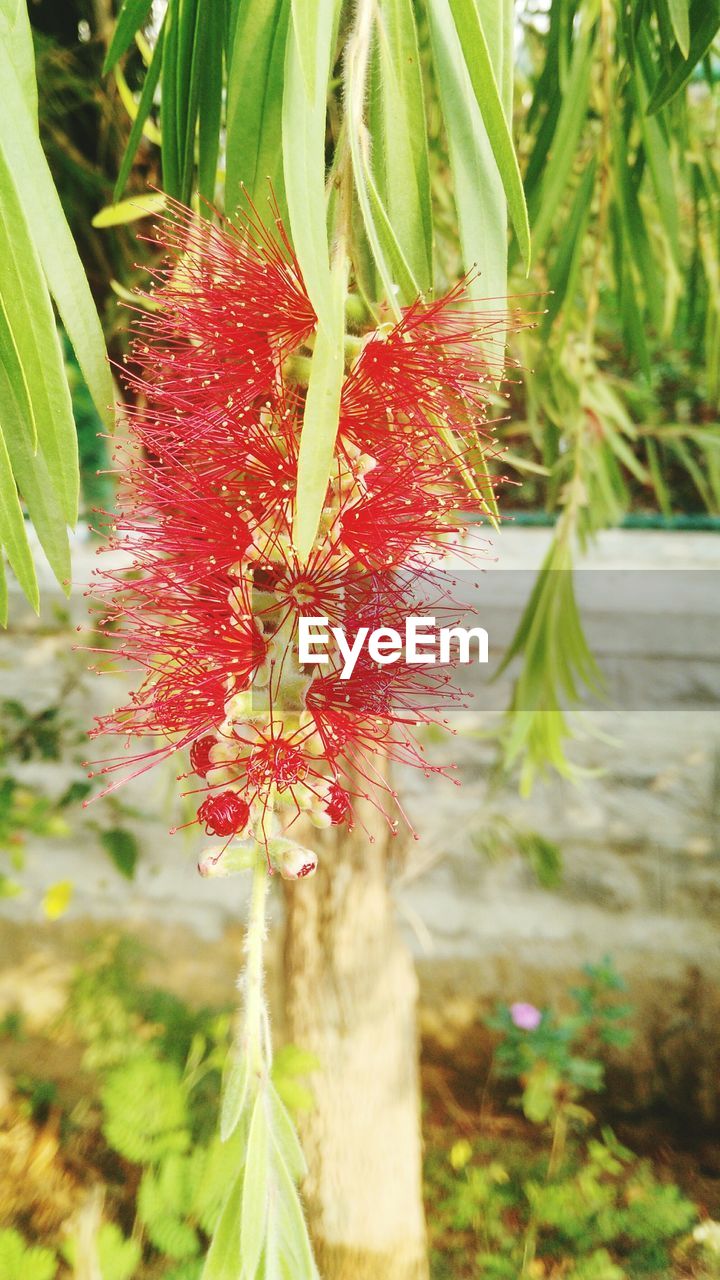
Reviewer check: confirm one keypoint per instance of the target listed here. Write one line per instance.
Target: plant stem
(255, 1038)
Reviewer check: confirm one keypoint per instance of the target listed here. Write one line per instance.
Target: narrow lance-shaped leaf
(210, 105)
(564, 270)
(255, 98)
(508, 62)
(479, 194)
(253, 1213)
(303, 133)
(25, 159)
(660, 165)
(117, 215)
(235, 1095)
(572, 117)
(294, 1242)
(224, 1255)
(679, 11)
(144, 107)
(31, 473)
(13, 539)
(16, 33)
(192, 51)
(133, 15)
(306, 19)
(704, 25)
(285, 1137)
(403, 178)
(487, 93)
(149, 128)
(171, 105)
(392, 265)
(30, 322)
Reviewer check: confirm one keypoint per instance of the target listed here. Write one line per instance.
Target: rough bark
(350, 998)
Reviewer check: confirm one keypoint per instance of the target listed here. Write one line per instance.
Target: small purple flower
(525, 1016)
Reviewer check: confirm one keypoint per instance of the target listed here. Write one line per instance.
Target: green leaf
(171, 107)
(303, 135)
(393, 267)
(565, 269)
(235, 1095)
(145, 1110)
(29, 324)
(224, 1255)
(16, 32)
(210, 94)
(127, 97)
(122, 848)
(285, 1137)
(193, 53)
(119, 1257)
(679, 11)
(571, 120)
(404, 183)
(144, 106)
(253, 1214)
(390, 261)
(306, 18)
(704, 24)
(634, 230)
(55, 246)
(255, 97)
(117, 215)
(487, 93)
(660, 164)
(478, 189)
(320, 420)
(294, 1242)
(183, 56)
(12, 528)
(131, 17)
(33, 479)
(21, 1261)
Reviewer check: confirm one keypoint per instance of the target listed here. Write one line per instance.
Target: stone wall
(639, 835)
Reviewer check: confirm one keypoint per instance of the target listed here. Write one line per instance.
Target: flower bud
(292, 860)
(226, 860)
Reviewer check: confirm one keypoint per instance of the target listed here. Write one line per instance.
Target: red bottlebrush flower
(435, 368)
(225, 814)
(338, 807)
(401, 512)
(207, 607)
(275, 764)
(231, 305)
(200, 755)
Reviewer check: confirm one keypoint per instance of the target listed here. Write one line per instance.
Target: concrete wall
(639, 836)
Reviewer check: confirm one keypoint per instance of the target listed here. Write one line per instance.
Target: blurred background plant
(118, 1157)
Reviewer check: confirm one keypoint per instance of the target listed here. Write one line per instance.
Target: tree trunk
(350, 998)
